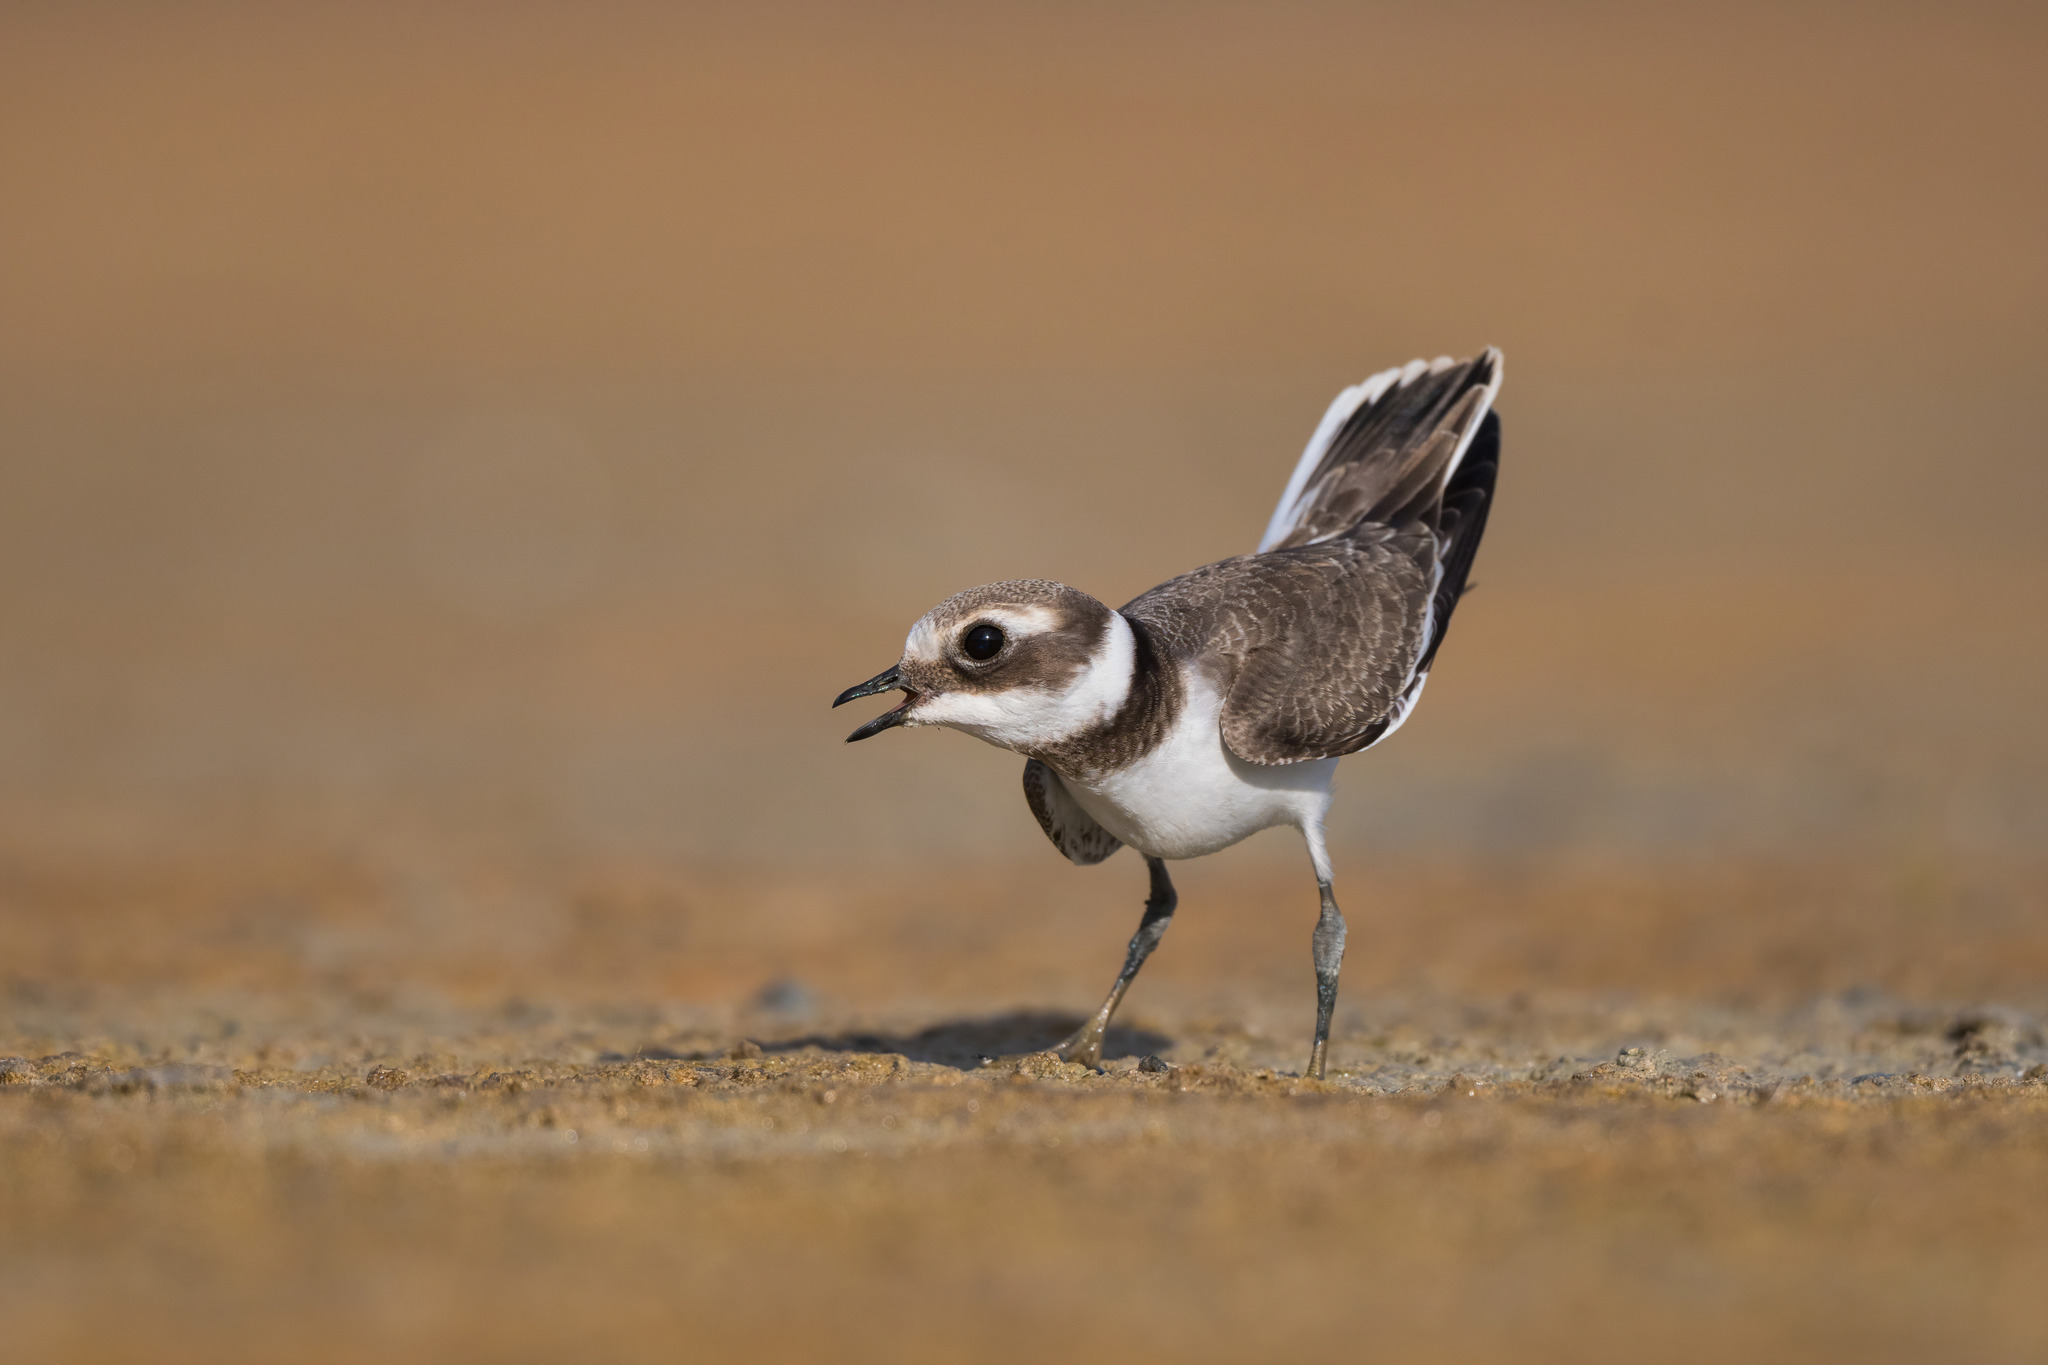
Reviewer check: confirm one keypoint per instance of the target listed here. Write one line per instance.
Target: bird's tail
(1392, 451)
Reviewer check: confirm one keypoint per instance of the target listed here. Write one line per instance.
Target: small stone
(1151, 1065)
(387, 1077)
(745, 1049)
(787, 996)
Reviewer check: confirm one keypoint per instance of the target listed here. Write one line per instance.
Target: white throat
(1040, 717)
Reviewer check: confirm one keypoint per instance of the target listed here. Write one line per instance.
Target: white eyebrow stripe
(1023, 621)
(1026, 620)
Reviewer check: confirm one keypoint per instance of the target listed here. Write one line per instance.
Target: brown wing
(1073, 831)
(1317, 647)
(1323, 641)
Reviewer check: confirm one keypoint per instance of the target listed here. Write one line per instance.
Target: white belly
(1192, 796)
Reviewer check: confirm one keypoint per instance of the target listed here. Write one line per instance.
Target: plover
(1217, 704)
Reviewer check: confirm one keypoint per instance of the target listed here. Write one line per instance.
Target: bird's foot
(1084, 1048)
(1081, 1048)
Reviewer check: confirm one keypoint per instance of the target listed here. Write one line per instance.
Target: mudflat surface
(286, 1109)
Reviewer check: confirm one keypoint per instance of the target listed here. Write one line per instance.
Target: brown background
(517, 423)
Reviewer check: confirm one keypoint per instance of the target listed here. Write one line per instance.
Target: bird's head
(1022, 665)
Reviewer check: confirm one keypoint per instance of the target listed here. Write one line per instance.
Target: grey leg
(1329, 950)
(1085, 1046)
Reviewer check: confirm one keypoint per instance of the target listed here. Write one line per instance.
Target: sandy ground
(278, 1109)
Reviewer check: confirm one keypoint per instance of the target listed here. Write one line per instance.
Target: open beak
(888, 680)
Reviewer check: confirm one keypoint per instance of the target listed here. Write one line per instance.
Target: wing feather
(1323, 640)
(1383, 443)
(1073, 831)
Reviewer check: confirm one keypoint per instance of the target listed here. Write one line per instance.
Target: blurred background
(510, 426)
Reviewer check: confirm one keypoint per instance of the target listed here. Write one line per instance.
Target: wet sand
(287, 1109)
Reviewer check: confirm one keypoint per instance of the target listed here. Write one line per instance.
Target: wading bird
(1217, 704)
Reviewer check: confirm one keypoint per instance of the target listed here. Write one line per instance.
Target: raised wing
(1073, 831)
(1382, 445)
(1328, 634)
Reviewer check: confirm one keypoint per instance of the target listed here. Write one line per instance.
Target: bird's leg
(1329, 951)
(1085, 1046)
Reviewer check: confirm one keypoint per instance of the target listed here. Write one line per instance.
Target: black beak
(888, 680)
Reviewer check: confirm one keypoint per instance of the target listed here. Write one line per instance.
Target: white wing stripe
(1499, 366)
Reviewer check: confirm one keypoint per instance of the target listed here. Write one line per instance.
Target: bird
(1217, 704)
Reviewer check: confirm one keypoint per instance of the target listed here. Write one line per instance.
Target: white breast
(1192, 796)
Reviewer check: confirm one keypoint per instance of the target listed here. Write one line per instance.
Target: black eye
(982, 642)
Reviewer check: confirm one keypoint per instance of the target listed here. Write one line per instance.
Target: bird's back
(1320, 641)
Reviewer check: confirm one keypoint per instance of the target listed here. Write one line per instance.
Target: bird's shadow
(965, 1043)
